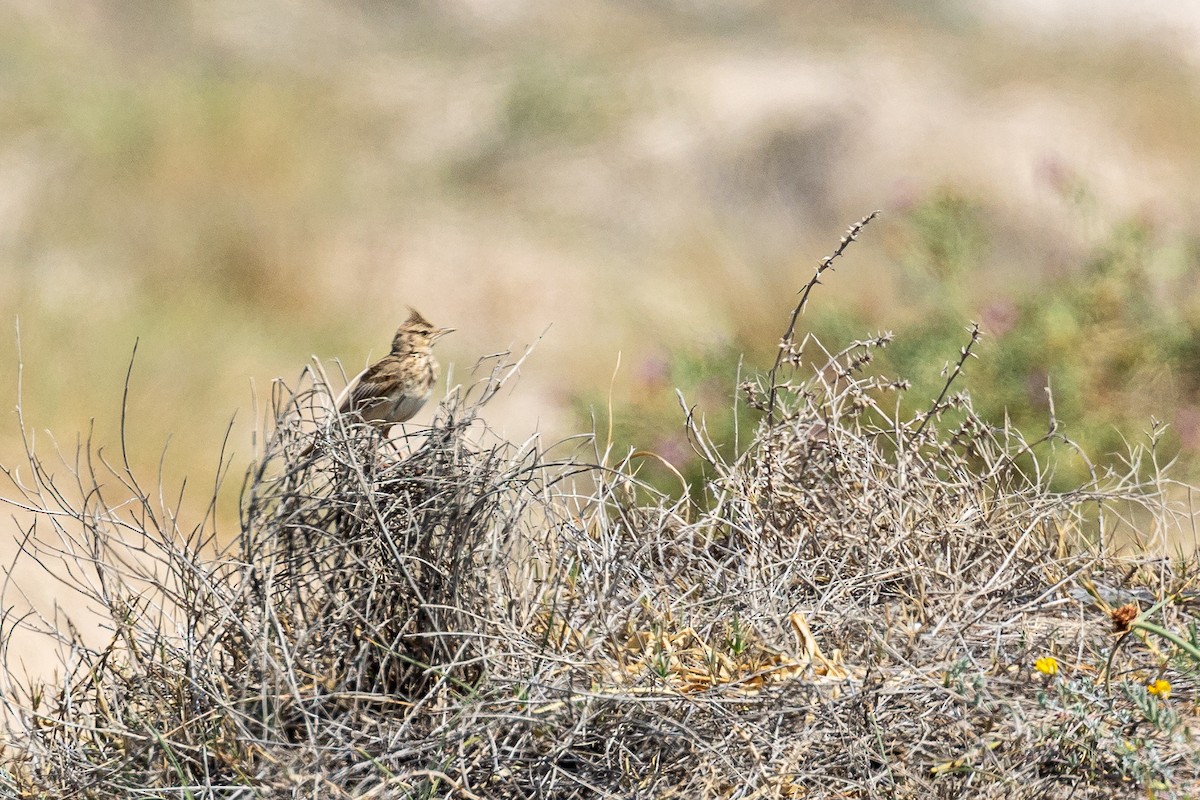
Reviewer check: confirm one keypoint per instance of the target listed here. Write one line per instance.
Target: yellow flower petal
(1047, 665)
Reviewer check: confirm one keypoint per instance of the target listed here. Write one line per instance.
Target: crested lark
(394, 388)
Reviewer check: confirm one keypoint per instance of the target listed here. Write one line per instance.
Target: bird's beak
(440, 332)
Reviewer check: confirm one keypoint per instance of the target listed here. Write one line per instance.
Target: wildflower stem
(1170, 636)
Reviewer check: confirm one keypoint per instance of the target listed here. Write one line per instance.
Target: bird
(394, 388)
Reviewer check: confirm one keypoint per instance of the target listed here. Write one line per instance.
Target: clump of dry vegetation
(862, 605)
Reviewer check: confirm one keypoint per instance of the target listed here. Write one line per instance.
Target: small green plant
(736, 638)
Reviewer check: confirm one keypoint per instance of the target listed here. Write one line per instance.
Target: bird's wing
(377, 384)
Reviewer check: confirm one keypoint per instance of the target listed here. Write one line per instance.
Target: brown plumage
(393, 389)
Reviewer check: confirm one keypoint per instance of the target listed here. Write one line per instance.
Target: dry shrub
(856, 611)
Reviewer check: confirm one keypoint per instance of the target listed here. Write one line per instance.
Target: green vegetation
(1112, 341)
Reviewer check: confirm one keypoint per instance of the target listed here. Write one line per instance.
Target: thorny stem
(785, 344)
(964, 354)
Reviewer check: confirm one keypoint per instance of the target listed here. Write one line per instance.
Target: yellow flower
(1160, 687)
(1047, 665)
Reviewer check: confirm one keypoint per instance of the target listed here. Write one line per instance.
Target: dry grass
(855, 610)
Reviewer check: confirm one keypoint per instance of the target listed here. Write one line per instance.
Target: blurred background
(240, 186)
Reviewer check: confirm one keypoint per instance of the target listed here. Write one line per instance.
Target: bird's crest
(415, 319)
